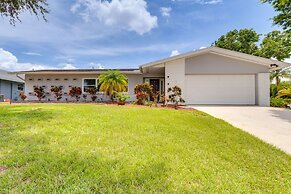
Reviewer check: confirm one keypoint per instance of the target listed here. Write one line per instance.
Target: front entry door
(156, 84)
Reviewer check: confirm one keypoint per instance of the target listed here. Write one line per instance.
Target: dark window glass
(89, 82)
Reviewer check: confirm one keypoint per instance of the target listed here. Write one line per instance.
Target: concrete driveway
(273, 125)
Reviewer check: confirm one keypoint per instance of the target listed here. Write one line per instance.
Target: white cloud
(212, 2)
(69, 66)
(202, 47)
(10, 62)
(32, 53)
(175, 53)
(203, 2)
(96, 66)
(131, 15)
(166, 11)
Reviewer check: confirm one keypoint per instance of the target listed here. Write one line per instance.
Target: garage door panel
(220, 89)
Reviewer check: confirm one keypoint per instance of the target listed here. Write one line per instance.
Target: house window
(20, 87)
(89, 83)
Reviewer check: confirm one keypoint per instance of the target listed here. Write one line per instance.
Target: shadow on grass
(55, 172)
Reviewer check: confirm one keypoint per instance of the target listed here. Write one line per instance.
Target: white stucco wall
(175, 75)
(212, 64)
(209, 64)
(263, 89)
(132, 79)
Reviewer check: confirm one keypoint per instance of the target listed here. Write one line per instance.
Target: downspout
(11, 89)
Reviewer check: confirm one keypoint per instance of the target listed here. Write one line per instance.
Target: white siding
(175, 75)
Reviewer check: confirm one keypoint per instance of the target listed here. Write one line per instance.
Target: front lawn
(87, 148)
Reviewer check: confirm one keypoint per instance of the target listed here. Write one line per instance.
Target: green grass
(77, 148)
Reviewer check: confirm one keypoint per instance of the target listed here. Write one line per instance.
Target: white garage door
(220, 89)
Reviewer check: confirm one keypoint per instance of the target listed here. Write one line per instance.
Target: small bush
(175, 96)
(39, 92)
(57, 91)
(93, 91)
(122, 97)
(22, 96)
(76, 93)
(143, 93)
(278, 102)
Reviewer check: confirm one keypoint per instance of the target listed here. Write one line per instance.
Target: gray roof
(5, 75)
(77, 70)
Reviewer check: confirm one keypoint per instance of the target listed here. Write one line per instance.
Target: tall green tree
(276, 45)
(13, 8)
(112, 81)
(283, 7)
(244, 40)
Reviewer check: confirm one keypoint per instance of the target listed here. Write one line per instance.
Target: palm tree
(286, 92)
(279, 74)
(112, 81)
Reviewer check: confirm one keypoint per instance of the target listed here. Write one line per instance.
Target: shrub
(284, 93)
(142, 93)
(122, 97)
(75, 92)
(278, 102)
(84, 97)
(175, 96)
(39, 92)
(273, 90)
(93, 91)
(155, 96)
(22, 96)
(57, 91)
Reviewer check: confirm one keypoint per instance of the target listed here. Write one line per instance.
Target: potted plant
(122, 97)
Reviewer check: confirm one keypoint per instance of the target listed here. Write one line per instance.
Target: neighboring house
(207, 76)
(10, 85)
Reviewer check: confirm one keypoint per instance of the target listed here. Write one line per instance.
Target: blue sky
(123, 33)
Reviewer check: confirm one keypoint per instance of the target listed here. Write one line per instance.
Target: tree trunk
(277, 83)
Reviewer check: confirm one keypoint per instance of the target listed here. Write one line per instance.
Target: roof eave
(223, 52)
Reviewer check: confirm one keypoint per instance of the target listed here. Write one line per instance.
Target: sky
(123, 33)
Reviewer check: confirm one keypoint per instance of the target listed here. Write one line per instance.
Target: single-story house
(10, 86)
(206, 76)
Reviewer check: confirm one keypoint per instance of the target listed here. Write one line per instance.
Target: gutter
(17, 75)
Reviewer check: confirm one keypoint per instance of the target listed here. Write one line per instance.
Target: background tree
(284, 17)
(13, 8)
(111, 82)
(276, 44)
(244, 40)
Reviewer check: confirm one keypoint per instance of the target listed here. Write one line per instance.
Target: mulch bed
(109, 103)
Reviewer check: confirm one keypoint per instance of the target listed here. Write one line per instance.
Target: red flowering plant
(143, 93)
(76, 93)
